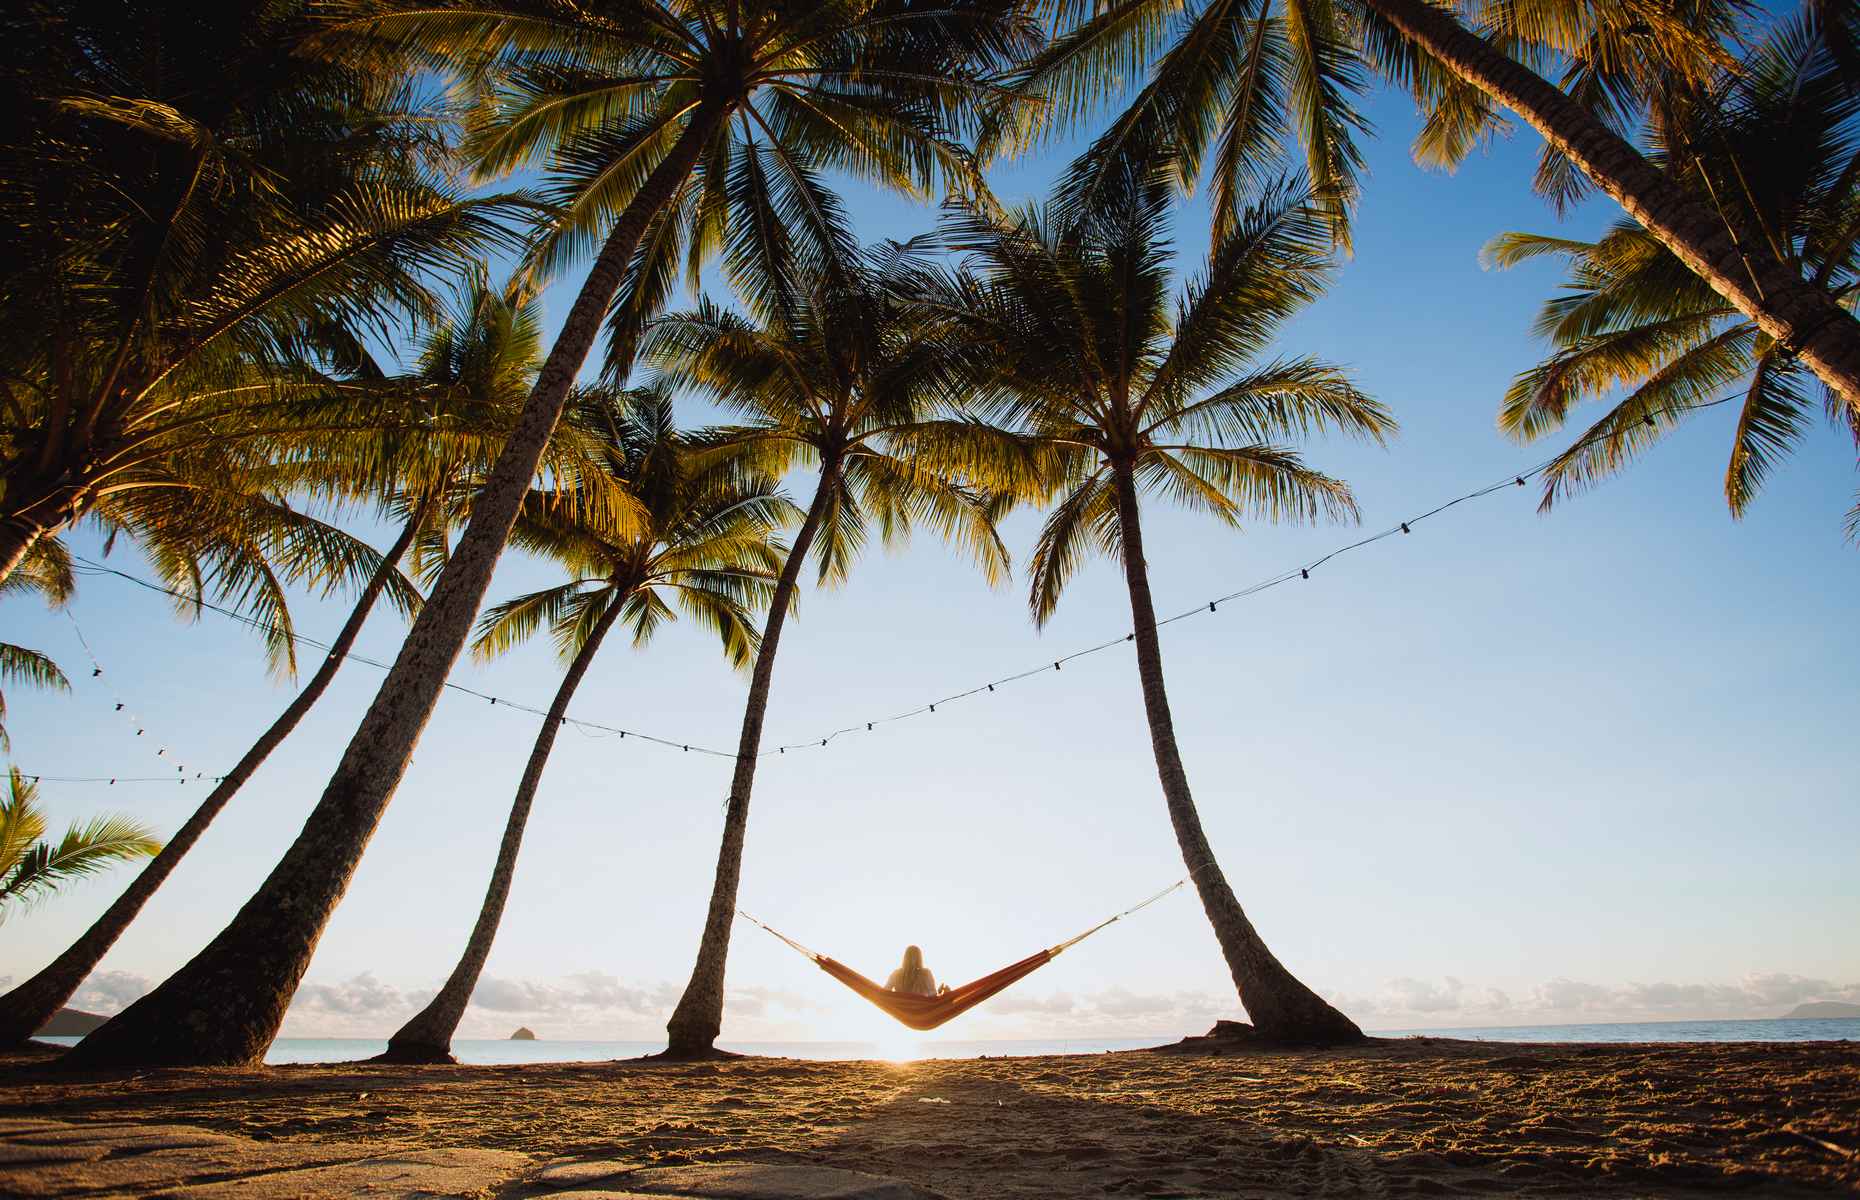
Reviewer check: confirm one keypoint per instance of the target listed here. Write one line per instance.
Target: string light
(113, 780)
(1302, 572)
(118, 704)
(86, 566)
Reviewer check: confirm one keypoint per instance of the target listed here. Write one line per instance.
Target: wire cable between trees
(1301, 572)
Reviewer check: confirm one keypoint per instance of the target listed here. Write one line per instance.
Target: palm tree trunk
(698, 1018)
(17, 539)
(34, 508)
(1804, 318)
(1282, 1008)
(225, 1006)
(25, 1009)
(427, 1037)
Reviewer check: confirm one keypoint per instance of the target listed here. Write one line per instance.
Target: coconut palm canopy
(1778, 141)
(33, 868)
(532, 317)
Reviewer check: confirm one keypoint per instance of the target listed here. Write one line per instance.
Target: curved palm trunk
(427, 1037)
(1802, 317)
(1282, 1008)
(698, 1018)
(226, 1004)
(25, 1009)
(34, 509)
(17, 539)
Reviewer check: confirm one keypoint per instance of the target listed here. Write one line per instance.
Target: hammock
(925, 1013)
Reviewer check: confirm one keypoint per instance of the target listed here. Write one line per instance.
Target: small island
(1821, 1010)
(523, 1034)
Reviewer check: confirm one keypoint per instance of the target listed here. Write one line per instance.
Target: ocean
(499, 1052)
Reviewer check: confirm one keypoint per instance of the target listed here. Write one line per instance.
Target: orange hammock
(927, 1012)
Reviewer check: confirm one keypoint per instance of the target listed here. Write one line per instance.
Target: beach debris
(1821, 1143)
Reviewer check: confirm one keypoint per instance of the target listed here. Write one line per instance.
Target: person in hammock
(913, 978)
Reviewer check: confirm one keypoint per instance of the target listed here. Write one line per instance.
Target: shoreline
(1421, 1116)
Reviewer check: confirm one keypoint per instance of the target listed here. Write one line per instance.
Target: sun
(900, 1046)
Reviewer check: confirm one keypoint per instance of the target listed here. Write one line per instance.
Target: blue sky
(1511, 768)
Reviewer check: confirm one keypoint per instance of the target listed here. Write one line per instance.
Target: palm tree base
(1237, 1037)
(697, 1053)
(415, 1054)
(1323, 1027)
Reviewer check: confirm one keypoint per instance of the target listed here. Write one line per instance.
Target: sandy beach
(1397, 1117)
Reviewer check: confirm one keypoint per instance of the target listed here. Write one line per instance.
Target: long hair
(911, 974)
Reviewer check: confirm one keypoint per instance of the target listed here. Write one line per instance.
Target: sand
(1410, 1117)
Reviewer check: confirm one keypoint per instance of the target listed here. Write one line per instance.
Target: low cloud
(1425, 996)
(1014, 1004)
(110, 992)
(363, 995)
(589, 1005)
(594, 1005)
(1410, 1003)
(1112, 1013)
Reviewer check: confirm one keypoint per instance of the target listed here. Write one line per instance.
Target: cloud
(1569, 994)
(595, 1005)
(756, 1002)
(1012, 1004)
(1419, 1003)
(110, 992)
(1421, 995)
(362, 995)
(1114, 1012)
(590, 1005)
(586, 993)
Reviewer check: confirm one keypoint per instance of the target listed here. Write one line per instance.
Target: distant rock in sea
(69, 1022)
(1822, 1010)
(523, 1034)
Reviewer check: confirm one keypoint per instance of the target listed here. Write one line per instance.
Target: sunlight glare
(900, 1045)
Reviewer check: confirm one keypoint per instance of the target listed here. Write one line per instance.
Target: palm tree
(1233, 78)
(1775, 143)
(46, 572)
(1075, 345)
(412, 444)
(706, 542)
(31, 869)
(838, 378)
(638, 92)
(244, 216)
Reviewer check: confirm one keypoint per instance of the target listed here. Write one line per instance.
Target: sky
(1509, 769)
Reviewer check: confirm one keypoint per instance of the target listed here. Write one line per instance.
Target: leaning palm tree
(628, 99)
(1225, 82)
(410, 443)
(705, 544)
(836, 378)
(1776, 142)
(32, 869)
(1075, 344)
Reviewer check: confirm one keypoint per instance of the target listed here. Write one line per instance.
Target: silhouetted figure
(913, 978)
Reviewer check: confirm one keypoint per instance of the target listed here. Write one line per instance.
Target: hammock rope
(925, 1013)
